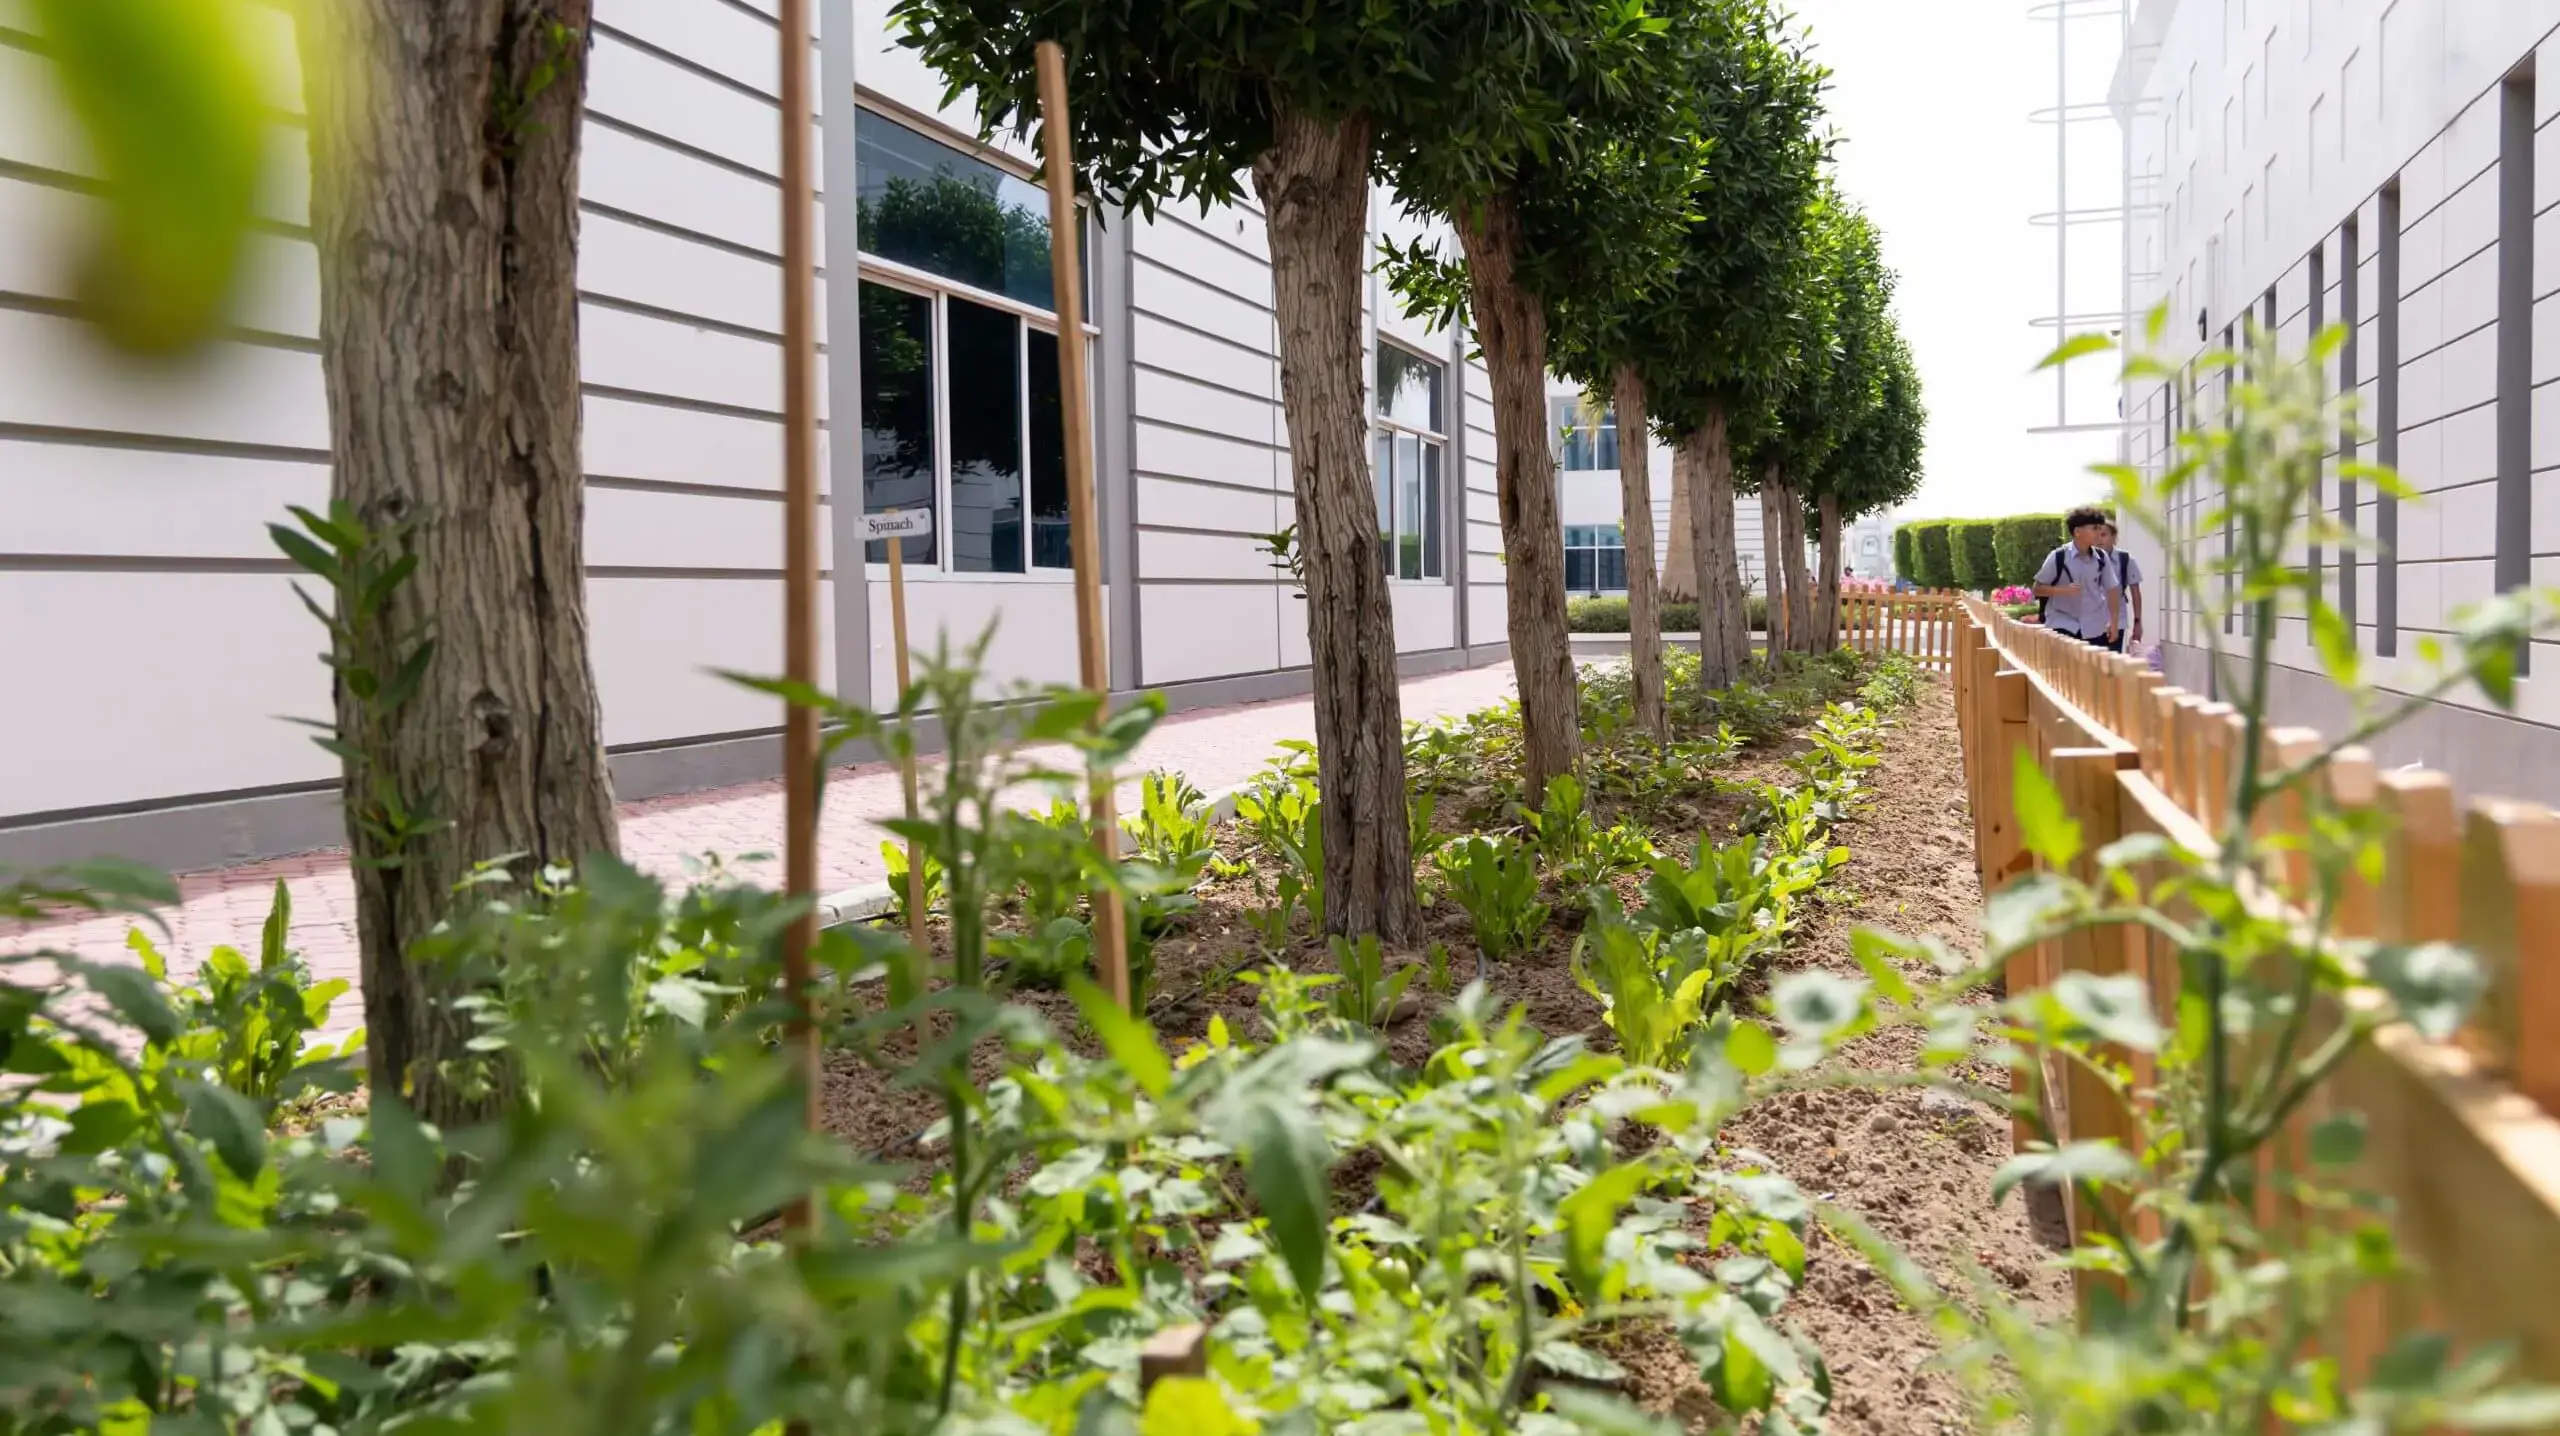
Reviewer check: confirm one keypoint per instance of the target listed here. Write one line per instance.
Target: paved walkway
(1215, 748)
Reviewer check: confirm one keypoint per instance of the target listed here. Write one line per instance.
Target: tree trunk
(1314, 187)
(1644, 596)
(1800, 604)
(1680, 561)
(445, 207)
(1724, 631)
(1511, 325)
(1827, 617)
(1773, 568)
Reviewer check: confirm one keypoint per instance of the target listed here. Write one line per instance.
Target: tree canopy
(1877, 463)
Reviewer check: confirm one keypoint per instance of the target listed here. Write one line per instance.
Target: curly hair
(2084, 516)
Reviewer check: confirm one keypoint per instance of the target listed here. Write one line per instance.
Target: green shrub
(1609, 615)
(1977, 560)
(1937, 565)
(1906, 553)
(2021, 542)
(1596, 615)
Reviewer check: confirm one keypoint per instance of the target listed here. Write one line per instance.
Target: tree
(1193, 101)
(1835, 386)
(1876, 466)
(1535, 96)
(1602, 218)
(1723, 333)
(444, 156)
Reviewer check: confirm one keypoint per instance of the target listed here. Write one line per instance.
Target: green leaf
(2044, 825)
(166, 93)
(1579, 1362)
(2094, 1163)
(2338, 1141)
(2434, 985)
(1750, 1048)
(1190, 1406)
(1815, 1004)
(231, 1122)
(2335, 639)
(2024, 908)
(1593, 1413)
(1128, 1040)
(403, 1157)
(2523, 1408)
(1289, 1166)
(2079, 346)
(2116, 1008)
(1588, 1216)
(136, 998)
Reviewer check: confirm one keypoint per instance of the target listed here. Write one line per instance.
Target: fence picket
(2468, 1168)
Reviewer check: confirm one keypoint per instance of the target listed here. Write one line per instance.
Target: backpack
(2052, 561)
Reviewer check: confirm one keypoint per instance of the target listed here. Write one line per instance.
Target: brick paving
(1215, 748)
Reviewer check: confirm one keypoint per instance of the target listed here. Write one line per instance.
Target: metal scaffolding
(2132, 199)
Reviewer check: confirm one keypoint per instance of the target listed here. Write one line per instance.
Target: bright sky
(1933, 106)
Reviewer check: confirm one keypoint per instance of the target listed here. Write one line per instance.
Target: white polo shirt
(2082, 614)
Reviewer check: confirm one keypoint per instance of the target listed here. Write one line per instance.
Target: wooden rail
(2461, 1136)
(1921, 624)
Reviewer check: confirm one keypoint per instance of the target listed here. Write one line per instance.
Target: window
(2386, 425)
(2350, 375)
(2514, 566)
(1595, 558)
(1410, 444)
(961, 407)
(1589, 442)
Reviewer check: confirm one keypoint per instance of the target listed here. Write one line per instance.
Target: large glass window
(1589, 440)
(962, 410)
(1408, 451)
(1595, 558)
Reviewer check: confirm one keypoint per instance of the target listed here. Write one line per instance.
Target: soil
(1917, 1166)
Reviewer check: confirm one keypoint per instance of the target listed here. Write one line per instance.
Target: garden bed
(1916, 1165)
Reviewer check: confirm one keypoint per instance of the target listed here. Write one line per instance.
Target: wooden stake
(800, 776)
(907, 761)
(1075, 392)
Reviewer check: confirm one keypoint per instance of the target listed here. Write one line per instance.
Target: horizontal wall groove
(1178, 426)
(675, 486)
(689, 236)
(1245, 394)
(1259, 306)
(690, 66)
(677, 401)
(692, 152)
(1198, 482)
(1170, 321)
(678, 316)
(159, 444)
(79, 313)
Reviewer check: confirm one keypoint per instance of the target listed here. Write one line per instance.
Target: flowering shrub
(2014, 593)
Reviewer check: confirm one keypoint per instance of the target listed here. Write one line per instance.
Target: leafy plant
(1367, 990)
(1606, 854)
(1171, 827)
(1653, 987)
(1286, 818)
(893, 860)
(1496, 882)
(251, 1027)
(1560, 828)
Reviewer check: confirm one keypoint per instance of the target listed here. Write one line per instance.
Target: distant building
(1594, 504)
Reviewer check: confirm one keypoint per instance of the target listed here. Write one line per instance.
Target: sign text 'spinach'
(905, 523)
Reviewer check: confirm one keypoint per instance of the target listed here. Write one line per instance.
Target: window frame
(1607, 425)
(1380, 424)
(939, 291)
(1597, 589)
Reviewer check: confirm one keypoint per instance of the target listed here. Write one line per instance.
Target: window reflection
(922, 203)
(986, 438)
(897, 411)
(1051, 543)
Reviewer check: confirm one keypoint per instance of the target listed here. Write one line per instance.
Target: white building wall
(1598, 496)
(137, 580)
(2291, 135)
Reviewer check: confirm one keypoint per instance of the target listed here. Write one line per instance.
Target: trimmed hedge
(1936, 566)
(1609, 615)
(1906, 557)
(2023, 540)
(1974, 543)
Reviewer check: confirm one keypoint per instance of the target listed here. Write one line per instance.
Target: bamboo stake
(800, 777)
(1075, 391)
(907, 761)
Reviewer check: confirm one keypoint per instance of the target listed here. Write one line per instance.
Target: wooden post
(1075, 392)
(1174, 1351)
(907, 761)
(2511, 922)
(2086, 778)
(800, 776)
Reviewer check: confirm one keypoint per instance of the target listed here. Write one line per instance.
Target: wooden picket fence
(2461, 1136)
(1921, 624)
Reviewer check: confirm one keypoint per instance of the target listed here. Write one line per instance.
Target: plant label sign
(905, 523)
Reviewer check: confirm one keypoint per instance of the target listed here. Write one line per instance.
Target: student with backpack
(2081, 591)
(2129, 579)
